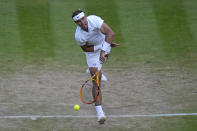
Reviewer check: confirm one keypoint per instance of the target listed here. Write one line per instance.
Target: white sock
(99, 110)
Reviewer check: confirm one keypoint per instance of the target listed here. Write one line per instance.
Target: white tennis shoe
(101, 118)
(103, 77)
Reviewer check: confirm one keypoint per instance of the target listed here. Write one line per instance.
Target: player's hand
(103, 56)
(114, 45)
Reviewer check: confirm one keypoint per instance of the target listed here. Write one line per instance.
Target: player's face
(83, 23)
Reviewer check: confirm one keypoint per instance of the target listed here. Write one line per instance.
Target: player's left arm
(108, 32)
(109, 36)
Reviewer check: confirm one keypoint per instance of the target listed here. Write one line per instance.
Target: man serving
(95, 38)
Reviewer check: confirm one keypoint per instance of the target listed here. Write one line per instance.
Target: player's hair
(76, 12)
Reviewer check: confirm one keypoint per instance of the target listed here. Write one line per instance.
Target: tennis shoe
(103, 77)
(87, 71)
(101, 118)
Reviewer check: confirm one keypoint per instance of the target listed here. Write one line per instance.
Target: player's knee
(93, 70)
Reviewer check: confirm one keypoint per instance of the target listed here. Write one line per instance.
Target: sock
(99, 110)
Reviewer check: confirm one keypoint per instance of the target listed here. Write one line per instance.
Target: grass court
(154, 71)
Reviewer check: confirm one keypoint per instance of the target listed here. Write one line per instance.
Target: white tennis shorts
(92, 59)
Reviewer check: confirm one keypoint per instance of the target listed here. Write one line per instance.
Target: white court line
(34, 117)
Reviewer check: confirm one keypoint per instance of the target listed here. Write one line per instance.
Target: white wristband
(97, 47)
(106, 47)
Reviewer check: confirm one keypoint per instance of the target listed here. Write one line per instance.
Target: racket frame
(98, 90)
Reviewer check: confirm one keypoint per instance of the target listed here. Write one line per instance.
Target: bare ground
(136, 90)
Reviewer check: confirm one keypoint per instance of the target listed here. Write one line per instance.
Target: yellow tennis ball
(76, 107)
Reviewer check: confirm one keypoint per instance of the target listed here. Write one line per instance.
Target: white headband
(79, 16)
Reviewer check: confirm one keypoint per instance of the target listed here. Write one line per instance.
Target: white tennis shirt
(94, 35)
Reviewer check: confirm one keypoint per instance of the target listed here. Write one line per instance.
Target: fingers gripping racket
(87, 90)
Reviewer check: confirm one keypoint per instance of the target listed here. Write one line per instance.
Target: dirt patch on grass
(136, 90)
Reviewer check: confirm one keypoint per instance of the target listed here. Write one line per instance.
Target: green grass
(35, 30)
(42, 32)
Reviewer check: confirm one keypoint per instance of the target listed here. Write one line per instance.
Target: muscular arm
(87, 48)
(107, 31)
(109, 36)
(91, 48)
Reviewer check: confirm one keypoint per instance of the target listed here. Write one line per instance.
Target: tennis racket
(87, 90)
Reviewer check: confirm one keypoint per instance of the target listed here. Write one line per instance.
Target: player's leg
(95, 89)
(103, 77)
(98, 104)
(94, 65)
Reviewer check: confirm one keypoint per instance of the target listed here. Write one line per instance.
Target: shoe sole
(102, 120)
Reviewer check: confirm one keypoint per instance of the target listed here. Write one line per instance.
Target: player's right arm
(87, 48)
(91, 48)
(84, 45)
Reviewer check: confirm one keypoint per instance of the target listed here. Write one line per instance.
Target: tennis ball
(76, 107)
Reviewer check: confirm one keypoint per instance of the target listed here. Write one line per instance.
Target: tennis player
(95, 38)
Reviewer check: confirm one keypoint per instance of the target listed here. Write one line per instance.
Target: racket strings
(90, 90)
